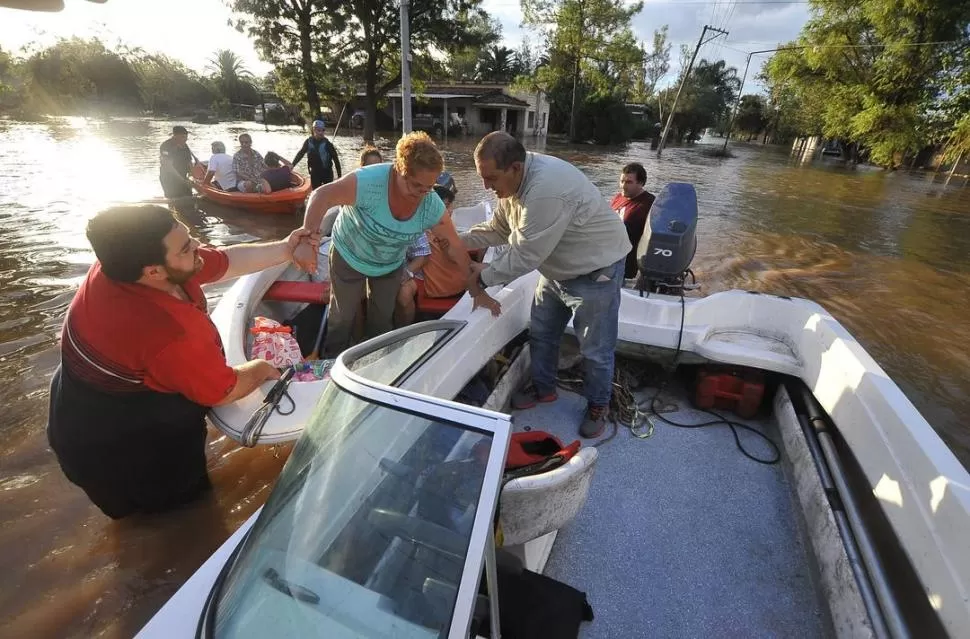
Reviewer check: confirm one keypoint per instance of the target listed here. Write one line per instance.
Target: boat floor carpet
(682, 535)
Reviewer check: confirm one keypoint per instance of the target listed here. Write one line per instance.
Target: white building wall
(539, 105)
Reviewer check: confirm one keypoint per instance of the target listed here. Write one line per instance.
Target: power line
(845, 46)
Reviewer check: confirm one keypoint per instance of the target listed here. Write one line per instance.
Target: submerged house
(468, 108)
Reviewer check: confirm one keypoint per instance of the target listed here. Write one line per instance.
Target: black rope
(734, 426)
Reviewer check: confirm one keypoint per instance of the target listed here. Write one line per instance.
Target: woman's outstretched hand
(304, 251)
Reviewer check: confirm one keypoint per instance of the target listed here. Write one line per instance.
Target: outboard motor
(669, 241)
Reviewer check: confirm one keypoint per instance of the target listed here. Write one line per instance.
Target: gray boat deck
(682, 535)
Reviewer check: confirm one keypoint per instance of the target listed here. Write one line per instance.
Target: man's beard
(178, 276)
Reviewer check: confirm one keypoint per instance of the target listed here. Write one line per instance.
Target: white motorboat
(859, 532)
(253, 295)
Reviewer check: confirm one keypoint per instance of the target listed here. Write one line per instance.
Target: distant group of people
(246, 171)
(142, 362)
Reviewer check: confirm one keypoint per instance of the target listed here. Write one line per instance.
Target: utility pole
(737, 106)
(405, 68)
(670, 118)
(574, 108)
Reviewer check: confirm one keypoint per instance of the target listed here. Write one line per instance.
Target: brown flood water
(887, 254)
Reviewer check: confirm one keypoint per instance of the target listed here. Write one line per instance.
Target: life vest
(534, 452)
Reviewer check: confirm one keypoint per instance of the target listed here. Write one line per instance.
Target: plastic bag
(311, 371)
(275, 343)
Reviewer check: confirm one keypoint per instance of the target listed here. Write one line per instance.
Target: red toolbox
(732, 388)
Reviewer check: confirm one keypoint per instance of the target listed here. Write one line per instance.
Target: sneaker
(525, 400)
(595, 422)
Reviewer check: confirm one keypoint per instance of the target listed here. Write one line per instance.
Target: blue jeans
(596, 305)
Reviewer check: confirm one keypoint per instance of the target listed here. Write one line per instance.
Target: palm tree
(719, 78)
(229, 74)
(496, 64)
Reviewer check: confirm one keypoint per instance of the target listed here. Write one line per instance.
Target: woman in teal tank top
(384, 207)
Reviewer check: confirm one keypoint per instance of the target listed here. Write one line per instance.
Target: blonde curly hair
(417, 152)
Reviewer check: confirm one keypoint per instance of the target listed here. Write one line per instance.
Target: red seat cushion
(310, 292)
(433, 305)
(319, 293)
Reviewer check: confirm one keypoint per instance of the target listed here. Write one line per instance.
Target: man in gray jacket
(554, 220)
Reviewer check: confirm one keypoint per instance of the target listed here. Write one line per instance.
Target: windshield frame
(497, 425)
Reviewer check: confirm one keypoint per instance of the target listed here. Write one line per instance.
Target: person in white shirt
(220, 171)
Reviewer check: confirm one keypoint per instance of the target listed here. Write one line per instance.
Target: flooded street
(887, 253)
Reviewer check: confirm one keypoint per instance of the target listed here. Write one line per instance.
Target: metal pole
(741, 89)
(683, 81)
(891, 620)
(869, 599)
(737, 106)
(491, 577)
(262, 102)
(405, 68)
(339, 120)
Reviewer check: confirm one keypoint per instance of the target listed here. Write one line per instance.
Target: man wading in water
(141, 362)
(321, 156)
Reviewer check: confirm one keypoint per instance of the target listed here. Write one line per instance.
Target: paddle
(317, 345)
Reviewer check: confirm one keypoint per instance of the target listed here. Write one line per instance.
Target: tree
(462, 64)
(371, 43)
(657, 62)
(166, 86)
(10, 81)
(752, 116)
(463, 59)
(865, 73)
(597, 30)
(525, 59)
(230, 75)
(705, 101)
(496, 64)
(293, 34)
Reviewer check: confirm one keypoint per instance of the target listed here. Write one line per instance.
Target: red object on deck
(310, 292)
(739, 390)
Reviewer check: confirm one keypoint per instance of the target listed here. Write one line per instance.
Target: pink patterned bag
(275, 343)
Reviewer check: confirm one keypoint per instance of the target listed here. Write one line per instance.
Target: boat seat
(535, 505)
(433, 305)
(303, 291)
(319, 293)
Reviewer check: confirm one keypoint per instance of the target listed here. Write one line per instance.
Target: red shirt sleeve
(216, 265)
(196, 368)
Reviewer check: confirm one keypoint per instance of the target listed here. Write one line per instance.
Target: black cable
(720, 419)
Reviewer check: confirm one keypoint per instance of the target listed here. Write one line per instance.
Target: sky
(191, 30)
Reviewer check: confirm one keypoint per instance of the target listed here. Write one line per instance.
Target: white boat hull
(922, 488)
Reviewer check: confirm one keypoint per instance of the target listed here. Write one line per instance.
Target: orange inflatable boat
(278, 202)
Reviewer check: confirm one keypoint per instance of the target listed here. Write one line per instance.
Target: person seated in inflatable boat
(219, 169)
(248, 163)
(141, 362)
(278, 174)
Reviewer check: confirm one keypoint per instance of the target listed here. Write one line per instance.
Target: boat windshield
(367, 530)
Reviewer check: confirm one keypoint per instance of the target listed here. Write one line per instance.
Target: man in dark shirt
(633, 204)
(175, 164)
(141, 362)
(321, 156)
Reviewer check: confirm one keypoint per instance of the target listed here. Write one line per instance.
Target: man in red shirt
(141, 362)
(633, 204)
